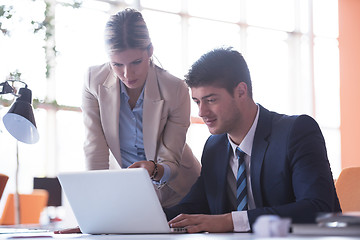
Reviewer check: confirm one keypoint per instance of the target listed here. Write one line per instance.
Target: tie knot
(240, 153)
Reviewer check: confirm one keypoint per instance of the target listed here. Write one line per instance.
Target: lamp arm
(6, 88)
(16, 80)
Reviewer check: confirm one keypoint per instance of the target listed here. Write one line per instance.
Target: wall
(349, 45)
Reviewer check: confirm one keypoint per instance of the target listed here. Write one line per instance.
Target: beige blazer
(166, 118)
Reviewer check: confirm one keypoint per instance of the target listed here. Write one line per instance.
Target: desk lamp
(20, 123)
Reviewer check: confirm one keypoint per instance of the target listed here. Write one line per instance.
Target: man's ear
(240, 90)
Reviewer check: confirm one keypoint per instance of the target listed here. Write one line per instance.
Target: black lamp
(20, 121)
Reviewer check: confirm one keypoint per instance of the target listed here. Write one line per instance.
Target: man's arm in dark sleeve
(194, 202)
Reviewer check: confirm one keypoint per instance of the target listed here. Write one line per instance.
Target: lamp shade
(20, 121)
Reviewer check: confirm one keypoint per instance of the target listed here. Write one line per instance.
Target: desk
(198, 236)
(301, 231)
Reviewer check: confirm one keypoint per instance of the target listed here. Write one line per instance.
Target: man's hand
(149, 166)
(203, 223)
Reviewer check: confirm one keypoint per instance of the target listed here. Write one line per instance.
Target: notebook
(115, 202)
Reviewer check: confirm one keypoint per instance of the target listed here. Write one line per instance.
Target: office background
(303, 57)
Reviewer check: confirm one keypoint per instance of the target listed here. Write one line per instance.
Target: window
(290, 45)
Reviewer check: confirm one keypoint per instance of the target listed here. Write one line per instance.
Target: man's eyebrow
(204, 97)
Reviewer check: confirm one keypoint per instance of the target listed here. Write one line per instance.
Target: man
(282, 168)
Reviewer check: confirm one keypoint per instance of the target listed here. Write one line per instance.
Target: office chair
(348, 189)
(52, 185)
(31, 206)
(3, 180)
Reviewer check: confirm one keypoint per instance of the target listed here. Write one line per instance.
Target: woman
(138, 111)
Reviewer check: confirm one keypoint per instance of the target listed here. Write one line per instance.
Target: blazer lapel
(218, 184)
(224, 166)
(260, 146)
(152, 109)
(109, 93)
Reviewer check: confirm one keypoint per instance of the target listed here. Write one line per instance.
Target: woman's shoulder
(97, 74)
(100, 69)
(165, 78)
(164, 74)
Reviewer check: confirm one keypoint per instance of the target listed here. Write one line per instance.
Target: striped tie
(241, 191)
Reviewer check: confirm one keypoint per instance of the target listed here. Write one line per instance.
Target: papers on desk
(332, 224)
(17, 233)
(7, 230)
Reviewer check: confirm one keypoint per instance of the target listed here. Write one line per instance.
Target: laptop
(115, 202)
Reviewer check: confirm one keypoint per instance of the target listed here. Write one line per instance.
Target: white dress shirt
(240, 218)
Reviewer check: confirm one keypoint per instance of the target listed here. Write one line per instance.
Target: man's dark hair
(221, 67)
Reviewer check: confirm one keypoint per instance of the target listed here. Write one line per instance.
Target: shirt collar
(125, 94)
(247, 142)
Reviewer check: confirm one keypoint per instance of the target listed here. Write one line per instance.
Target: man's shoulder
(303, 119)
(274, 123)
(284, 119)
(282, 125)
(216, 141)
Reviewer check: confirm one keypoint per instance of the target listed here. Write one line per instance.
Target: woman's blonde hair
(126, 30)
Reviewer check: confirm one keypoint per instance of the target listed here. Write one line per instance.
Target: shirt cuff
(240, 221)
(165, 177)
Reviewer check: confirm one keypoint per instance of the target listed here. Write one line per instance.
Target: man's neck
(247, 119)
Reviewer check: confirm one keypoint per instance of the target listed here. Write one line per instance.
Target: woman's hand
(150, 167)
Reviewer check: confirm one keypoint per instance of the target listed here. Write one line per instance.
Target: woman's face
(131, 66)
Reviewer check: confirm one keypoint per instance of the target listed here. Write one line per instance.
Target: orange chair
(348, 189)
(31, 206)
(3, 180)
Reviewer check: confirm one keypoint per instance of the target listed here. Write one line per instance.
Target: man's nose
(202, 110)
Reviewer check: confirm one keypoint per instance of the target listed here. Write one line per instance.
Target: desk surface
(202, 236)
(300, 231)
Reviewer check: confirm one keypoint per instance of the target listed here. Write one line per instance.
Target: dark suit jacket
(290, 172)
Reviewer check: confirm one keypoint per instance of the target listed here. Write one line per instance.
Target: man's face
(217, 108)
